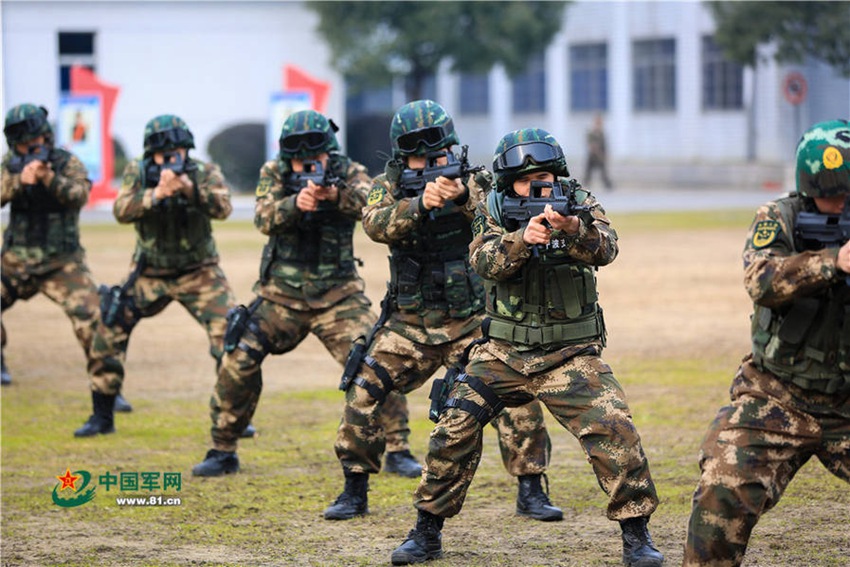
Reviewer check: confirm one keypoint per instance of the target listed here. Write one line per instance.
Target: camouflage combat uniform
(42, 253)
(554, 359)
(436, 313)
(791, 395)
(308, 284)
(180, 258)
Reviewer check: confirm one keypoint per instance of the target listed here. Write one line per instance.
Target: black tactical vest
(38, 220)
(176, 234)
(430, 268)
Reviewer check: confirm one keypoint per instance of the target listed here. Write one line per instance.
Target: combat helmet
(421, 126)
(823, 160)
(25, 122)
(166, 132)
(525, 151)
(307, 133)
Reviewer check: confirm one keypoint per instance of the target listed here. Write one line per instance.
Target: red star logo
(68, 480)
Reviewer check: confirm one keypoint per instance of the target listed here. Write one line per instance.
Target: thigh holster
(483, 414)
(265, 345)
(380, 394)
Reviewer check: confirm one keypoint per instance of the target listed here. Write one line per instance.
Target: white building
(675, 111)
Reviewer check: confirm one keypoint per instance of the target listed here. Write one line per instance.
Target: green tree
(373, 42)
(820, 30)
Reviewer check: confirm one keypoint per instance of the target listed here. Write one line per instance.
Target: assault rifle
(39, 152)
(519, 210)
(315, 172)
(413, 181)
(820, 230)
(173, 161)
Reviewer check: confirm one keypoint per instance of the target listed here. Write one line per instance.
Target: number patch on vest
(765, 233)
(376, 195)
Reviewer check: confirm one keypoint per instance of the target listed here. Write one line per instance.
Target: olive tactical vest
(321, 244)
(807, 341)
(38, 220)
(177, 234)
(430, 268)
(550, 302)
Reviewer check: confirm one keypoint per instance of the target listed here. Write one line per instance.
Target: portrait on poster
(79, 131)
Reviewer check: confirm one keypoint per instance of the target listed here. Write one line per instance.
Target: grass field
(677, 316)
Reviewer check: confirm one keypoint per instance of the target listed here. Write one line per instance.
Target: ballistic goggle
(431, 137)
(170, 138)
(27, 127)
(520, 155)
(309, 141)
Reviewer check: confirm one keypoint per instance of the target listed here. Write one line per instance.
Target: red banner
(84, 81)
(294, 79)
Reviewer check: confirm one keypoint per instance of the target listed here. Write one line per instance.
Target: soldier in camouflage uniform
(791, 395)
(308, 284)
(170, 198)
(437, 302)
(46, 187)
(546, 336)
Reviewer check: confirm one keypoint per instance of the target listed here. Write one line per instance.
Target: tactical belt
(585, 328)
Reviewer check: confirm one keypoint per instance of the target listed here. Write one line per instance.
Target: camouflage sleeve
(475, 193)
(213, 192)
(72, 185)
(495, 253)
(774, 273)
(133, 201)
(353, 191)
(596, 241)
(9, 182)
(274, 212)
(387, 220)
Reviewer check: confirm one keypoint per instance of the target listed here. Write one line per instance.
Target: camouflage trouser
(205, 294)
(751, 452)
(240, 378)
(584, 397)
(73, 288)
(523, 439)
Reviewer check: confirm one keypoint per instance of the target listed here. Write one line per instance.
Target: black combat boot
(353, 501)
(121, 404)
(5, 377)
(638, 549)
(424, 542)
(402, 463)
(533, 502)
(102, 421)
(217, 463)
(249, 432)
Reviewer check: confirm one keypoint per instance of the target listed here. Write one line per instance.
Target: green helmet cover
(307, 133)
(26, 122)
(421, 126)
(525, 151)
(823, 160)
(166, 132)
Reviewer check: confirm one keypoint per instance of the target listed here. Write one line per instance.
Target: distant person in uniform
(597, 153)
(80, 129)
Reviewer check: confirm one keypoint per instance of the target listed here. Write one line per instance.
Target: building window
(474, 94)
(75, 48)
(529, 87)
(428, 88)
(589, 77)
(654, 63)
(722, 80)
